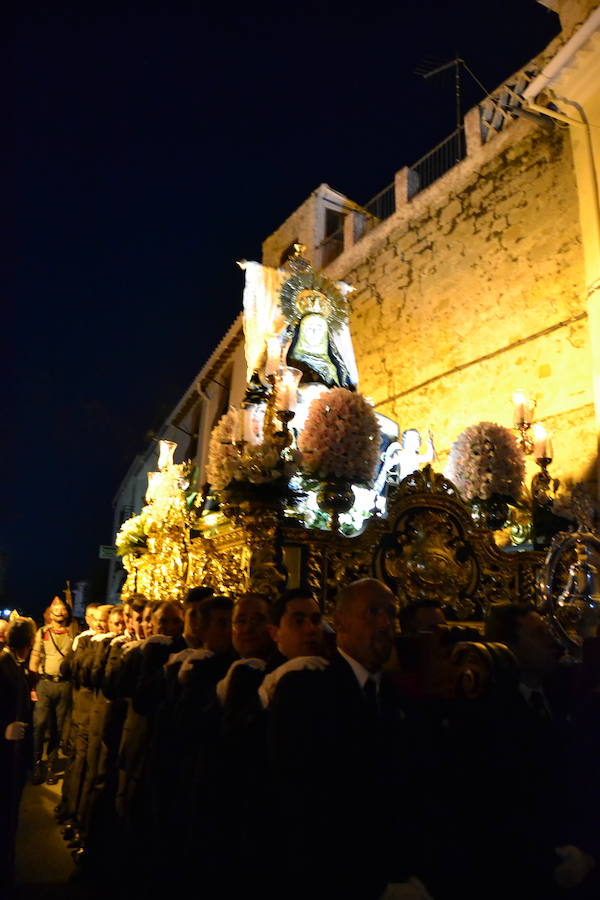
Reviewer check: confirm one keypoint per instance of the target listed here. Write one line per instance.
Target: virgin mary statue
(314, 351)
(309, 313)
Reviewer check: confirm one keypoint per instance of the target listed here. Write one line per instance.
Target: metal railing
(383, 204)
(437, 162)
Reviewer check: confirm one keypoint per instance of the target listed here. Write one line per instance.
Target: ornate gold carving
(428, 546)
(433, 549)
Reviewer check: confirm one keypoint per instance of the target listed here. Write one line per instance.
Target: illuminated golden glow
(166, 450)
(543, 448)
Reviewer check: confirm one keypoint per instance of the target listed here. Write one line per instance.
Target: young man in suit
(339, 718)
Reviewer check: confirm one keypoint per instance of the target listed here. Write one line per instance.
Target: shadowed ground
(44, 868)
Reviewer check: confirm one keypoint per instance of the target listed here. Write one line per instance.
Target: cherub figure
(402, 458)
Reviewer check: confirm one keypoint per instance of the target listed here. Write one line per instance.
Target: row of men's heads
(365, 622)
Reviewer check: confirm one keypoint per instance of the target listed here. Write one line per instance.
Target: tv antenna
(428, 69)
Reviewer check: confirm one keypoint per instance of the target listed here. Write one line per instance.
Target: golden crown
(311, 301)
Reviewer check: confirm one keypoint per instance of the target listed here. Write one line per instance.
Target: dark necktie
(537, 703)
(370, 695)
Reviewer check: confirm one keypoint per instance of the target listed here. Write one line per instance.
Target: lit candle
(282, 395)
(519, 401)
(540, 448)
(287, 388)
(166, 449)
(250, 425)
(153, 483)
(523, 408)
(273, 363)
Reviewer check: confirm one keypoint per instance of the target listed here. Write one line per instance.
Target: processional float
(313, 488)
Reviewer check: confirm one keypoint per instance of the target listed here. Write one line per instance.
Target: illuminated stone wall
(474, 288)
(478, 291)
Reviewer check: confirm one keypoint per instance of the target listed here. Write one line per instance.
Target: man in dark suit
(16, 743)
(339, 720)
(523, 733)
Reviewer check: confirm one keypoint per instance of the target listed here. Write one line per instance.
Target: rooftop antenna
(428, 69)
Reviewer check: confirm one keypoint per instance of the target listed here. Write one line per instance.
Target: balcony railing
(383, 204)
(437, 162)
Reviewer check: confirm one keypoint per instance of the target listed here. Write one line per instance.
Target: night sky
(153, 146)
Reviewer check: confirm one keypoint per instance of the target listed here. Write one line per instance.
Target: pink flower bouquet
(341, 438)
(486, 460)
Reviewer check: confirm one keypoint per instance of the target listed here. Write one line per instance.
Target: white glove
(130, 645)
(119, 639)
(223, 686)
(15, 731)
(102, 637)
(267, 688)
(159, 639)
(413, 889)
(188, 663)
(574, 867)
(179, 657)
(80, 635)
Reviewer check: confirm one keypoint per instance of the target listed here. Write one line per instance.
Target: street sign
(107, 551)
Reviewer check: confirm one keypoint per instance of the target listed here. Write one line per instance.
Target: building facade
(471, 278)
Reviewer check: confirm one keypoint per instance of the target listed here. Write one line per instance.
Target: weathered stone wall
(476, 291)
(573, 13)
(300, 226)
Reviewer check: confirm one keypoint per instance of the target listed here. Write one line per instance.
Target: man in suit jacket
(16, 744)
(525, 731)
(333, 734)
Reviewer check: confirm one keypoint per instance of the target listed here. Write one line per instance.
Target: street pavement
(44, 868)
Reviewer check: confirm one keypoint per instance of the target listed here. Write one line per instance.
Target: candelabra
(523, 409)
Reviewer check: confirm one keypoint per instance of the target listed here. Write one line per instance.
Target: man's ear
(274, 632)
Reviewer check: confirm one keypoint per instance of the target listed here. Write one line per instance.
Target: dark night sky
(154, 145)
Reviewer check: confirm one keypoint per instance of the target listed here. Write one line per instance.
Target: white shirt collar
(527, 691)
(362, 674)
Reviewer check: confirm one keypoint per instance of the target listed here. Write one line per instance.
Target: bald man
(341, 713)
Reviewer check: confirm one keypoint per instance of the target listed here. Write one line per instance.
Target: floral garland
(266, 462)
(223, 457)
(132, 536)
(486, 460)
(341, 438)
(258, 463)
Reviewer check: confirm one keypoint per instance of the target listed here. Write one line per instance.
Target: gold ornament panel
(427, 547)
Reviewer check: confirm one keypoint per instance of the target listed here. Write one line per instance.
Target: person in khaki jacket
(52, 643)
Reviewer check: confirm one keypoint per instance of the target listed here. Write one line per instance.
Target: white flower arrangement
(258, 463)
(223, 456)
(132, 535)
(341, 438)
(485, 460)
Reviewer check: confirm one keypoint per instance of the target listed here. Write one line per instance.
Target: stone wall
(476, 288)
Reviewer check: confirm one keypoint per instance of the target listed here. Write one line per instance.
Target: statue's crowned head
(316, 313)
(312, 334)
(311, 301)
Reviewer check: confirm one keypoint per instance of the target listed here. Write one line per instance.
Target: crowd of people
(238, 745)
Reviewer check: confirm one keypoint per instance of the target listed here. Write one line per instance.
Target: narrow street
(44, 868)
